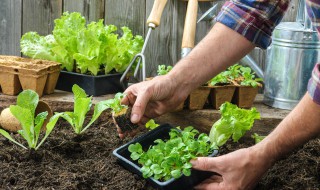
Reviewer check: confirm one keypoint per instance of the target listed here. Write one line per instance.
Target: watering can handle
(190, 24)
(156, 12)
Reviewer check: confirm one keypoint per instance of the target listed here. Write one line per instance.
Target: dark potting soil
(67, 161)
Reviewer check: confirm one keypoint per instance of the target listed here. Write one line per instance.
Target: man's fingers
(206, 164)
(139, 106)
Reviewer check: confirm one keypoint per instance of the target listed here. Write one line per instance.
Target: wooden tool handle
(156, 12)
(190, 24)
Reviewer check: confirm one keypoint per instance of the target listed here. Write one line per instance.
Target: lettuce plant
(90, 49)
(234, 122)
(151, 124)
(82, 105)
(257, 138)
(24, 111)
(163, 69)
(249, 78)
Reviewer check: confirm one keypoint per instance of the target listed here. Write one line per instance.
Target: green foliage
(171, 158)
(237, 75)
(24, 111)
(93, 48)
(151, 124)
(163, 69)
(115, 103)
(234, 122)
(82, 105)
(257, 138)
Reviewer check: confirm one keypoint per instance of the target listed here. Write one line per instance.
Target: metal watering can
(290, 59)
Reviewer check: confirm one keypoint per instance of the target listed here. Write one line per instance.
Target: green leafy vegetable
(163, 69)
(257, 138)
(151, 124)
(24, 111)
(249, 78)
(93, 48)
(82, 105)
(234, 122)
(171, 158)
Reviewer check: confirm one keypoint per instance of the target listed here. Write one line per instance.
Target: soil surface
(67, 161)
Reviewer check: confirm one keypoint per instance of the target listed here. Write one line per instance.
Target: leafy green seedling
(24, 111)
(257, 138)
(249, 78)
(82, 105)
(151, 124)
(163, 69)
(121, 113)
(171, 158)
(234, 122)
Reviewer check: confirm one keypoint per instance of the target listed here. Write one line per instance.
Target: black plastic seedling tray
(161, 132)
(93, 85)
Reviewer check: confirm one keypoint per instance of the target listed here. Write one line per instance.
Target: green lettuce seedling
(24, 111)
(257, 138)
(82, 105)
(163, 69)
(234, 122)
(249, 78)
(151, 124)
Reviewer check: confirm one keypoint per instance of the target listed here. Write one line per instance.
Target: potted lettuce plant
(92, 55)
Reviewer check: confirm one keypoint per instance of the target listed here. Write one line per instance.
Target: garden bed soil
(86, 162)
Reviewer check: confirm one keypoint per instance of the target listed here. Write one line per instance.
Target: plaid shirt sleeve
(255, 20)
(313, 9)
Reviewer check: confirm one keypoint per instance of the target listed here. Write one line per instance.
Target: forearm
(221, 48)
(301, 125)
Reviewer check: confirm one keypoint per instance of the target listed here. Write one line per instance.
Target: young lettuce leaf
(82, 105)
(24, 111)
(234, 122)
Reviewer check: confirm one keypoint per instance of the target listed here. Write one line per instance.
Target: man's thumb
(204, 163)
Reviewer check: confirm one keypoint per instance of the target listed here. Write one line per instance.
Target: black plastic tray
(93, 85)
(161, 132)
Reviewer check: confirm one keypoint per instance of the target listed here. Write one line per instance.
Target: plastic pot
(93, 85)
(146, 140)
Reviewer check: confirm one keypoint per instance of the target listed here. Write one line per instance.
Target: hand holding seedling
(153, 98)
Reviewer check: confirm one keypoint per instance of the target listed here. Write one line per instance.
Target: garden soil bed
(86, 162)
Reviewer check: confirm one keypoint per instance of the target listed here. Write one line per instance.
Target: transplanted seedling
(24, 111)
(121, 113)
(82, 105)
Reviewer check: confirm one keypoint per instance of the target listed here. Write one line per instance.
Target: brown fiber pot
(221, 94)
(9, 81)
(198, 98)
(244, 96)
(33, 79)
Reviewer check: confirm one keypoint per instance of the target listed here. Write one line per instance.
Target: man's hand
(153, 98)
(237, 170)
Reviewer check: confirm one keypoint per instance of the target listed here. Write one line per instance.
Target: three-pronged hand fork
(153, 22)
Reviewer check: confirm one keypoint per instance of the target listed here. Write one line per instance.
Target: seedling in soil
(163, 69)
(82, 105)
(121, 113)
(257, 138)
(151, 124)
(24, 111)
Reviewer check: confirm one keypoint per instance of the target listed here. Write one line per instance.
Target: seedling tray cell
(146, 140)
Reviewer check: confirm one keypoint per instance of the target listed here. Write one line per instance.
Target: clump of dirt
(67, 161)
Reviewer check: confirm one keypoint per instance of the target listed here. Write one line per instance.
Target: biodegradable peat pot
(221, 94)
(146, 140)
(93, 85)
(244, 96)
(9, 81)
(198, 98)
(34, 79)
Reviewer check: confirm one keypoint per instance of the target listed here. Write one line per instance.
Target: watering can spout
(248, 61)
